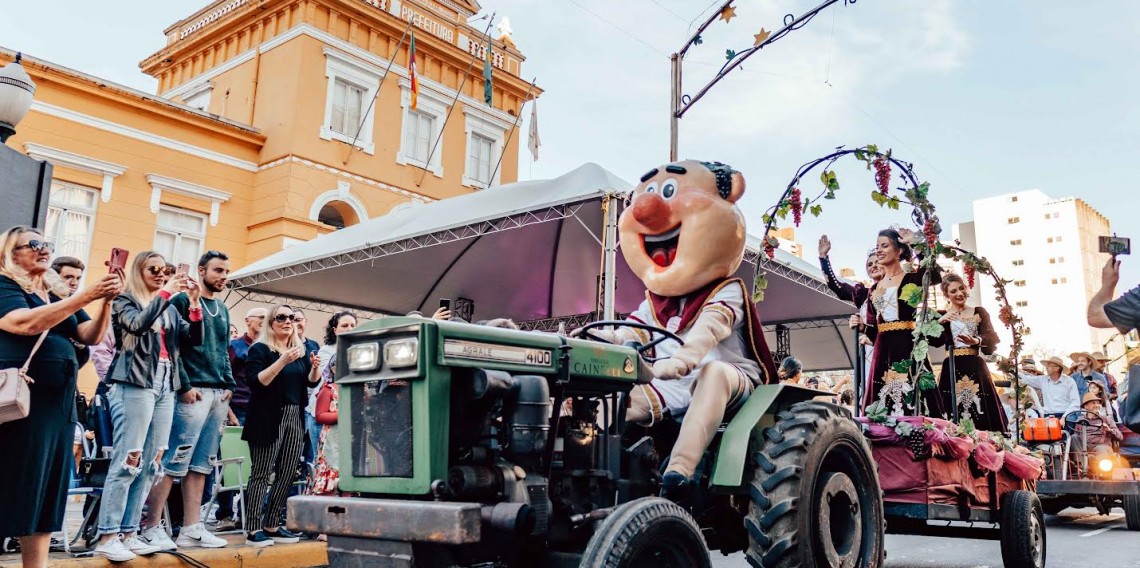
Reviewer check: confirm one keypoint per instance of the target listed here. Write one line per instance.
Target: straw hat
(1084, 354)
(1089, 397)
(1100, 359)
(1054, 361)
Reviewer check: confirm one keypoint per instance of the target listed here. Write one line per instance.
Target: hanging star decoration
(727, 14)
(761, 37)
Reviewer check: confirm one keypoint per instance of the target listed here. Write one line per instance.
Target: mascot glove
(671, 369)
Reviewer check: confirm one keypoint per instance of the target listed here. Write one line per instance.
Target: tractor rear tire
(1132, 512)
(650, 531)
(815, 493)
(1022, 530)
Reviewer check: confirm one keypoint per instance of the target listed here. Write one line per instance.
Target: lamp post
(16, 91)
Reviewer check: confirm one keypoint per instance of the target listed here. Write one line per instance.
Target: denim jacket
(137, 338)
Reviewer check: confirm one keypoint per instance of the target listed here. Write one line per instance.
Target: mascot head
(682, 229)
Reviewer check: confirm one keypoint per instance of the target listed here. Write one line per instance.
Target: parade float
(932, 468)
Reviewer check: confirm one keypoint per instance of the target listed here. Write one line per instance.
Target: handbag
(93, 471)
(15, 396)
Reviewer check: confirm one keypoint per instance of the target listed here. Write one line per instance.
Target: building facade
(1048, 249)
(275, 121)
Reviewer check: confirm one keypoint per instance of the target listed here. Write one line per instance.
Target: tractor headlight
(1105, 465)
(363, 356)
(402, 353)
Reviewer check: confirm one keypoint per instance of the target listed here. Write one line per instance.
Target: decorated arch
(913, 194)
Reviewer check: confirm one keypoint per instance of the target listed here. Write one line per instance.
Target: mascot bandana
(683, 236)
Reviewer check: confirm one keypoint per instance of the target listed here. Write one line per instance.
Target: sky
(984, 98)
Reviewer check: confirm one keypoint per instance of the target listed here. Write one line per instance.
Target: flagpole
(442, 129)
(364, 117)
(512, 133)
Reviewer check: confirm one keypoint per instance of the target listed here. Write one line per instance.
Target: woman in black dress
(855, 293)
(970, 332)
(33, 484)
(891, 320)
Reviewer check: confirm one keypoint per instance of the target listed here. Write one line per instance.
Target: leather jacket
(137, 339)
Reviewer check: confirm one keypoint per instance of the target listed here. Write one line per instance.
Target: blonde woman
(33, 483)
(279, 374)
(143, 379)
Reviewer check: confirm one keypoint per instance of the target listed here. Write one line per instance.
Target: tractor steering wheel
(1089, 419)
(641, 349)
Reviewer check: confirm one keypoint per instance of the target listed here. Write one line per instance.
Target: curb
(300, 555)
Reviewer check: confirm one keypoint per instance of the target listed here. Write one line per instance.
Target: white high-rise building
(1048, 248)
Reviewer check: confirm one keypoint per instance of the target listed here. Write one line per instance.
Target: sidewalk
(301, 555)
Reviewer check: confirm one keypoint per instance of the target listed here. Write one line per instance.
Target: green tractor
(475, 446)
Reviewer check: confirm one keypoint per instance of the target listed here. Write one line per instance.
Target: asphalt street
(1076, 538)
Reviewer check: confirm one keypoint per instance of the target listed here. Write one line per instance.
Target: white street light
(16, 90)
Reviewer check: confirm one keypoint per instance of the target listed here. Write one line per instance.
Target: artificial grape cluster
(970, 272)
(882, 174)
(797, 205)
(930, 230)
(770, 251)
(916, 441)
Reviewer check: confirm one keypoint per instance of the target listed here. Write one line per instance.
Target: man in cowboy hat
(1100, 364)
(1083, 372)
(1058, 391)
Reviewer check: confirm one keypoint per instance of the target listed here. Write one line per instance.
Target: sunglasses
(282, 318)
(38, 246)
(164, 270)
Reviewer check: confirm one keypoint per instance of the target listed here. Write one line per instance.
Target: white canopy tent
(531, 251)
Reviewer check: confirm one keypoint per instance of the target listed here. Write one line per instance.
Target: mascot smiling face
(682, 229)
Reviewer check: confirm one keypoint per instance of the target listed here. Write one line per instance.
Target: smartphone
(1115, 245)
(445, 304)
(118, 261)
(183, 269)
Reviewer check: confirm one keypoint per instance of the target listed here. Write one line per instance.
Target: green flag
(487, 84)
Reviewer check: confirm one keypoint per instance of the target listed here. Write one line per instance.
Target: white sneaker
(156, 536)
(197, 536)
(140, 546)
(115, 551)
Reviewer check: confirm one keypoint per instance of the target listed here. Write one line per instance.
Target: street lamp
(16, 90)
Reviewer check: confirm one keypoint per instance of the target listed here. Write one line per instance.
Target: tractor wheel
(650, 531)
(1022, 530)
(1132, 512)
(815, 493)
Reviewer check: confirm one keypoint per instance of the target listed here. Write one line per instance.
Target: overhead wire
(620, 29)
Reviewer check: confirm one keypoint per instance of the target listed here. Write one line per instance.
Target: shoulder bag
(15, 396)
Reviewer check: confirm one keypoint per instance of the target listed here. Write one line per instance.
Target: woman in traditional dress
(855, 293)
(971, 333)
(891, 321)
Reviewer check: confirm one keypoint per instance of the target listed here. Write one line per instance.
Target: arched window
(338, 208)
(337, 214)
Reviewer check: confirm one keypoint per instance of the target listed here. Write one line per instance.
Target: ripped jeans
(141, 419)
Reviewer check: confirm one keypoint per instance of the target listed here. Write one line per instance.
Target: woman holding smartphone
(279, 374)
(34, 301)
(144, 377)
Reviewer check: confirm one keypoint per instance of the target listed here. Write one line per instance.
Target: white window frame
(364, 76)
(179, 234)
(429, 103)
(64, 209)
(481, 123)
(199, 96)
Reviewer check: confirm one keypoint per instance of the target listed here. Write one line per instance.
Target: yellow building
(275, 121)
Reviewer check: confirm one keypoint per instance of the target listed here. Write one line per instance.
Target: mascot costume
(683, 236)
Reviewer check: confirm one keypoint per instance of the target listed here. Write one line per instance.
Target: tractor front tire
(815, 493)
(650, 531)
(1022, 530)
(1132, 512)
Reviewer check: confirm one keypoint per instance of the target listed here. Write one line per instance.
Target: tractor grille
(382, 429)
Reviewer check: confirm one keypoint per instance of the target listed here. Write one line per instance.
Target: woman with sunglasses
(279, 374)
(34, 481)
(144, 377)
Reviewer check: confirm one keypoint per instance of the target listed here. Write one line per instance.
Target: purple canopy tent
(531, 251)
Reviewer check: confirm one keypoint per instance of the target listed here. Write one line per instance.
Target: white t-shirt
(729, 301)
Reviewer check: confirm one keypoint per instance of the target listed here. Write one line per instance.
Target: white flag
(533, 142)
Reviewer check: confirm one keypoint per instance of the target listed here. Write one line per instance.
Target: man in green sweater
(203, 406)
